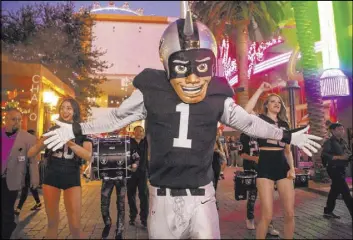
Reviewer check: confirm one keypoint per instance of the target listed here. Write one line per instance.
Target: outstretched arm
(253, 100)
(236, 117)
(131, 110)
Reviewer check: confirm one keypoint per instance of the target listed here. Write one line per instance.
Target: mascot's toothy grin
(192, 90)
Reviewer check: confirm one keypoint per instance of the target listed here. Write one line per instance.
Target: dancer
(24, 190)
(182, 106)
(275, 165)
(63, 173)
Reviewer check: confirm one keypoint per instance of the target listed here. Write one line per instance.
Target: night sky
(162, 8)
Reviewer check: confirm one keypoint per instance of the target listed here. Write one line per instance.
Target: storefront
(34, 90)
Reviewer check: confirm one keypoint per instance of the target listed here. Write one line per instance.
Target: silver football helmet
(183, 35)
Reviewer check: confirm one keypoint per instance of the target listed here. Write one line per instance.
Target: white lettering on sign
(34, 98)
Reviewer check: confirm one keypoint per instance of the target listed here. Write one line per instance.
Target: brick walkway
(308, 215)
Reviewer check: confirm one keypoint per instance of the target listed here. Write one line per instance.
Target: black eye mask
(190, 57)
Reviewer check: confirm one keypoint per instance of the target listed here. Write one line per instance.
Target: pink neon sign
(255, 55)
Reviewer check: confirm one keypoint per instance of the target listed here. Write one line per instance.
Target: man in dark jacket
(138, 179)
(335, 156)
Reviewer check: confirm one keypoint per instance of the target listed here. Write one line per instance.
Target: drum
(301, 180)
(244, 181)
(111, 159)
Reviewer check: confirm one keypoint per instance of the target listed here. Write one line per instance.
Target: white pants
(183, 217)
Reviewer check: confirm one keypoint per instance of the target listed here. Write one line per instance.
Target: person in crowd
(249, 151)
(219, 159)
(228, 144)
(223, 144)
(335, 156)
(138, 179)
(275, 165)
(14, 160)
(24, 190)
(63, 173)
(182, 105)
(233, 147)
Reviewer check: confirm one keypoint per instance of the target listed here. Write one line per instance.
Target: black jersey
(182, 136)
(269, 142)
(64, 155)
(249, 145)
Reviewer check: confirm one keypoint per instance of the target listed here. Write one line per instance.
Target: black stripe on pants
(106, 192)
(8, 199)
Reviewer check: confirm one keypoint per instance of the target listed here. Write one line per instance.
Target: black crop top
(270, 142)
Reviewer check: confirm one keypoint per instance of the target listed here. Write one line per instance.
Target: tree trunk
(306, 41)
(241, 37)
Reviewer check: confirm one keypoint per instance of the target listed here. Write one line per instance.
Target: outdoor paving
(310, 224)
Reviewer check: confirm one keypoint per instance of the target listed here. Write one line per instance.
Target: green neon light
(328, 35)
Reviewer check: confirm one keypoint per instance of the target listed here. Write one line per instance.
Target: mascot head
(188, 51)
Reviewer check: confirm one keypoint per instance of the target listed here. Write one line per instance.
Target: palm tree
(305, 36)
(240, 21)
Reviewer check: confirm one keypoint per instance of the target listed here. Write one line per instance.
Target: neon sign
(255, 55)
(256, 59)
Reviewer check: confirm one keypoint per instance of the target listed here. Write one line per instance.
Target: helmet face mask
(188, 52)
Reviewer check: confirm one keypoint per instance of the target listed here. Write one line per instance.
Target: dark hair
(333, 126)
(282, 115)
(75, 106)
(138, 127)
(31, 131)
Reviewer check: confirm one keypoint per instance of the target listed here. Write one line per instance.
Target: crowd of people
(182, 154)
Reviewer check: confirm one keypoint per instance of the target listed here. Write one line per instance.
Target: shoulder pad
(152, 79)
(219, 86)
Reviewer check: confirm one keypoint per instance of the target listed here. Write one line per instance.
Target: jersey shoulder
(152, 79)
(219, 86)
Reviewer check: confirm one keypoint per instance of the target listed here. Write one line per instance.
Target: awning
(19, 75)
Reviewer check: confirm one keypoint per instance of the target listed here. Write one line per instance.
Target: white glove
(305, 141)
(60, 136)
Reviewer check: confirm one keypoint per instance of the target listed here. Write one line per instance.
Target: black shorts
(249, 165)
(272, 165)
(62, 177)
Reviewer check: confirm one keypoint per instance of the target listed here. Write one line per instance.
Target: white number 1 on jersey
(183, 141)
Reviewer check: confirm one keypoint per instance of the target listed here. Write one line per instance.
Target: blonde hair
(282, 115)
